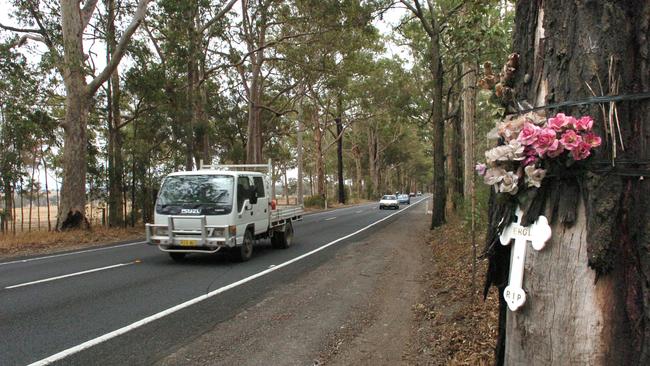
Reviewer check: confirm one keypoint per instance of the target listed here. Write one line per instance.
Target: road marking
(358, 211)
(330, 218)
(71, 253)
(71, 275)
(103, 338)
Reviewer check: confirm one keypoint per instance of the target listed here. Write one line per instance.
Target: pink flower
(584, 123)
(592, 139)
(559, 122)
(555, 149)
(528, 134)
(480, 168)
(545, 139)
(582, 151)
(570, 140)
(531, 156)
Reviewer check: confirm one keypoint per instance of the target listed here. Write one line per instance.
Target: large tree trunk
(72, 212)
(469, 118)
(439, 192)
(596, 315)
(114, 146)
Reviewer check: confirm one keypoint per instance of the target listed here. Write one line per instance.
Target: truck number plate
(188, 243)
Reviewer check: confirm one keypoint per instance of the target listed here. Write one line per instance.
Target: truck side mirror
(253, 196)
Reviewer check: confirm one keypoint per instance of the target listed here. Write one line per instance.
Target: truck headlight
(218, 232)
(161, 231)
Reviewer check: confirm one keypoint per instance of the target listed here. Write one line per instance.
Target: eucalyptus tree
(61, 30)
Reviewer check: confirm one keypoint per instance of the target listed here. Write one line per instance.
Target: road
(130, 304)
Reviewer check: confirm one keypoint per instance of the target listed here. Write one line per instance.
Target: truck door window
(243, 191)
(259, 186)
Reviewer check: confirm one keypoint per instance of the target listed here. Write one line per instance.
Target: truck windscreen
(196, 195)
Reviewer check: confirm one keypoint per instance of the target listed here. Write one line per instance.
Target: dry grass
(46, 242)
(456, 326)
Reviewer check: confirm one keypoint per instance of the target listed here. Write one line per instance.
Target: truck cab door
(261, 207)
(244, 215)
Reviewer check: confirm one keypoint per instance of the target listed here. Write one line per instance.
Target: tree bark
(72, 212)
(469, 119)
(596, 315)
(439, 192)
(320, 163)
(339, 159)
(299, 188)
(114, 146)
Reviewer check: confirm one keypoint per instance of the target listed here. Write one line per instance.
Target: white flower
(534, 176)
(509, 183)
(514, 151)
(494, 175)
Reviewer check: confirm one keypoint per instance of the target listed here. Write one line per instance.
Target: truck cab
(216, 207)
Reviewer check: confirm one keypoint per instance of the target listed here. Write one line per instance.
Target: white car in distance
(389, 201)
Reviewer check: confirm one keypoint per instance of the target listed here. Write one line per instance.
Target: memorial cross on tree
(537, 234)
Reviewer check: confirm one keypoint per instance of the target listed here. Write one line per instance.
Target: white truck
(219, 207)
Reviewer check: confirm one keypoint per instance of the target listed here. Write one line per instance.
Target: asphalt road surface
(131, 304)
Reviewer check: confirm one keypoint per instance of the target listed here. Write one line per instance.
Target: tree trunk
(469, 119)
(373, 158)
(439, 192)
(299, 188)
(47, 190)
(320, 163)
(339, 159)
(114, 146)
(339, 148)
(596, 315)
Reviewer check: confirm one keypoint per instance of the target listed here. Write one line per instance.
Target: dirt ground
(389, 299)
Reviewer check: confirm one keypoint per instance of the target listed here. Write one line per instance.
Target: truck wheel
(177, 257)
(283, 239)
(244, 252)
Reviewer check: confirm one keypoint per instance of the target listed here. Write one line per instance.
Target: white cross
(538, 233)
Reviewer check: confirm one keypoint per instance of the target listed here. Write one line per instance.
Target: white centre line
(103, 338)
(330, 218)
(358, 211)
(70, 275)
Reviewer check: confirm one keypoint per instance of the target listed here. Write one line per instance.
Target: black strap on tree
(592, 100)
(622, 167)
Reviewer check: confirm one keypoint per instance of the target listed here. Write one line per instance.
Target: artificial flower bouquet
(530, 145)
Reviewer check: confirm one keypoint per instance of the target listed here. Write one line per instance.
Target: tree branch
(20, 30)
(120, 49)
(219, 15)
(87, 12)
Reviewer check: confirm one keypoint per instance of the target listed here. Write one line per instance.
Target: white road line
(70, 275)
(103, 338)
(358, 211)
(71, 253)
(330, 218)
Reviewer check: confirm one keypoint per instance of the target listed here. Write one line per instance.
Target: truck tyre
(177, 257)
(244, 252)
(283, 239)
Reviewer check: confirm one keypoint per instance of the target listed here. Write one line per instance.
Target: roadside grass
(38, 242)
(456, 327)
